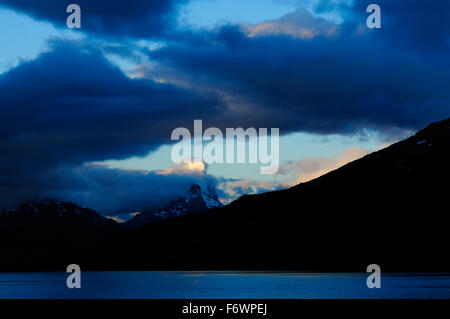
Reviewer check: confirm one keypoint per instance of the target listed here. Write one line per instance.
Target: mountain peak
(197, 201)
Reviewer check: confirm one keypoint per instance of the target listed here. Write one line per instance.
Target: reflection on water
(223, 285)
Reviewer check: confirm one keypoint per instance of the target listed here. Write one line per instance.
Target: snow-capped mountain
(51, 213)
(197, 201)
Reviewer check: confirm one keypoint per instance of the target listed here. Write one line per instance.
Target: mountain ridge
(386, 208)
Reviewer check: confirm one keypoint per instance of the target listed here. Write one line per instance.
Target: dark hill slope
(389, 208)
(37, 235)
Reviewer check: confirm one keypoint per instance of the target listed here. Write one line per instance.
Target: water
(223, 285)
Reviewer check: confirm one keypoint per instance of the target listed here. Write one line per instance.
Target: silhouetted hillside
(38, 233)
(388, 208)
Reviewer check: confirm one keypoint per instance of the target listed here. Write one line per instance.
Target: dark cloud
(327, 84)
(71, 106)
(412, 23)
(109, 191)
(134, 18)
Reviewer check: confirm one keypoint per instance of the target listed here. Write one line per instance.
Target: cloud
(133, 18)
(185, 168)
(410, 23)
(117, 190)
(289, 174)
(107, 190)
(298, 24)
(340, 84)
(117, 219)
(310, 168)
(231, 189)
(70, 107)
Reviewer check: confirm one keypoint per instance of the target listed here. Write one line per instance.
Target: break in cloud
(231, 189)
(298, 24)
(309, 168)
(292, 173)
(301, 73)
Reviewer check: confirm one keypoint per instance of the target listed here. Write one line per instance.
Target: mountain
(54, 214)
(195, 202)
(389, 208)
(39, 232)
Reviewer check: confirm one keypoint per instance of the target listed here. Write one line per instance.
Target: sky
(86, 114)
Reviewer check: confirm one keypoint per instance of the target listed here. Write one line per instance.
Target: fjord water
(224, 285)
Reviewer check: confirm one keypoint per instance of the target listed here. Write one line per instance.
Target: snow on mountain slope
(197, 201)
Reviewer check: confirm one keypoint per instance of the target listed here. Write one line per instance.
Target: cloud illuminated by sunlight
(298, 24)
(311, 168)
(185, 168)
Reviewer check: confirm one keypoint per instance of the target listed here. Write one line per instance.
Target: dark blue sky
(137, 70)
